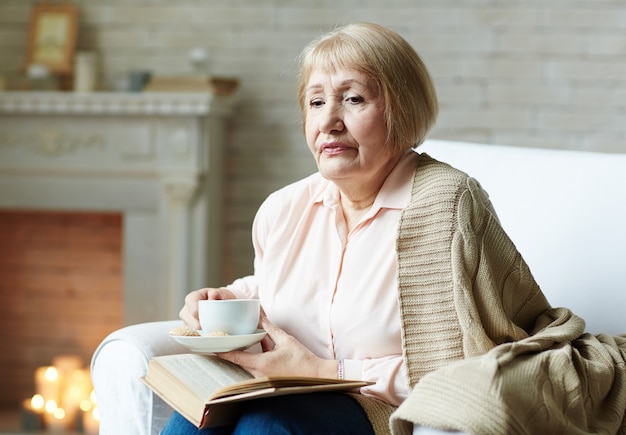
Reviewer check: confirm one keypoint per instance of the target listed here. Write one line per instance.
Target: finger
(189, 312)
(215, 293)
(241, 358)
(189, 320)
(261, 317)
(267, 344)
(221, 293)
(273, 331)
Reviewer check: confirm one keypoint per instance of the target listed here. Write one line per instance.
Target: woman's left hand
(282, 355)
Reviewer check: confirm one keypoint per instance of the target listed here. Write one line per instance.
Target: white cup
(230, 316)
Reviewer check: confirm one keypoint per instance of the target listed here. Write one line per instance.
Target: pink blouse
(335, 291)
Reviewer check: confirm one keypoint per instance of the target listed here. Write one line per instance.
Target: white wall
(523, 72)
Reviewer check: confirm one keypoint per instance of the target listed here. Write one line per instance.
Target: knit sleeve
(462, 285)
(497, 298)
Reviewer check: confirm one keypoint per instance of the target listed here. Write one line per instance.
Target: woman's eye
(355, 99)
(316, 103)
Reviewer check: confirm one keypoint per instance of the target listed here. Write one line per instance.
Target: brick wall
(60, 291)
(529, 73)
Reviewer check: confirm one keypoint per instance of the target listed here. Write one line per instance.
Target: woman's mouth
(332, 149)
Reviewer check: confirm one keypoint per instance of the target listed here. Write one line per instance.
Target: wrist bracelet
(340, 373)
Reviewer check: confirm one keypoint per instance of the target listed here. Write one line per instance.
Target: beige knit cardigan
(484, 351)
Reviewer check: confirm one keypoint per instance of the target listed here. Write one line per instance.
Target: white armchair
(565, 210)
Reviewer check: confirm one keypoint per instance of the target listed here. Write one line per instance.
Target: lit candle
(48, 383)
(37, 402)
(76, 388)
(70, 385)
(55, 418)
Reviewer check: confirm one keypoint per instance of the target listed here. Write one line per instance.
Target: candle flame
(52, 374)
(37, 402)
(51, 405)
(59, 413)
(74, 391)
(85, 405)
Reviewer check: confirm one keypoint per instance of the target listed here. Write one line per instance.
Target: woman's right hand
(189, 312)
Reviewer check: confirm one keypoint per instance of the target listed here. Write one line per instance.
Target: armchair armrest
(125, 404)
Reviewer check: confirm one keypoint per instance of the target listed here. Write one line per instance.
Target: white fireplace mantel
(154, 157)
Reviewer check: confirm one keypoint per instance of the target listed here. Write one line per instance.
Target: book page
(203, 374)
(275, 382)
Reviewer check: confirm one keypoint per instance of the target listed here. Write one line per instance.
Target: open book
(208, 390)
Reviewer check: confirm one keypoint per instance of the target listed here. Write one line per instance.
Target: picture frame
(52, 37)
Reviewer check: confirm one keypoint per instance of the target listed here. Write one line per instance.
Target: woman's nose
(332, 119)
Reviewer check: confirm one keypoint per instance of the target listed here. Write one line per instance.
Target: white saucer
(212, 344)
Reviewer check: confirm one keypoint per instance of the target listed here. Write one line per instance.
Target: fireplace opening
(61, 291)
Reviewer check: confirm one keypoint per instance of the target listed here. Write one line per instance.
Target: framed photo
(52, 37)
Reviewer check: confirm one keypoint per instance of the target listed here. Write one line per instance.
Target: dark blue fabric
(299, 414)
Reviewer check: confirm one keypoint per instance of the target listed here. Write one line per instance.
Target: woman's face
(345, 127)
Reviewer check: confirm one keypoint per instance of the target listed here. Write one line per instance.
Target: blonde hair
(392, 65)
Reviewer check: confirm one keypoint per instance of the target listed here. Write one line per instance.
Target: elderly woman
(384, 266)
